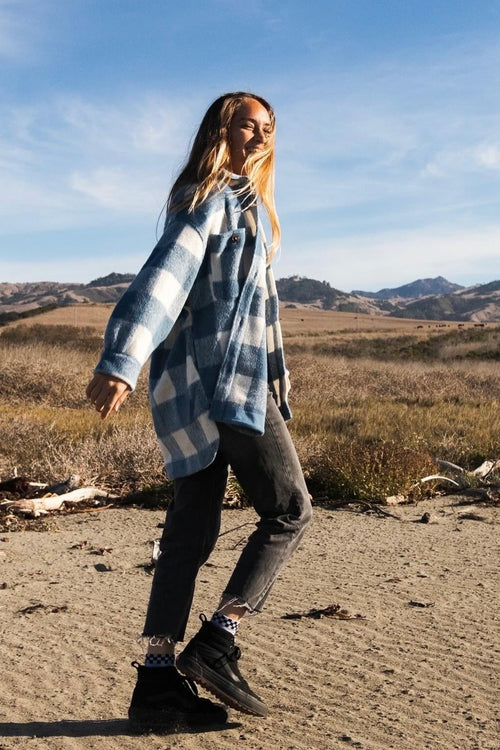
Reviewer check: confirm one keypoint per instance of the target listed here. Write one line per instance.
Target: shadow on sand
(91, 728)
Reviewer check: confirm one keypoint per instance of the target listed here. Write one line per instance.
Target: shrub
(66, 336)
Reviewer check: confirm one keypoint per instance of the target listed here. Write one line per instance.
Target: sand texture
(407, 677)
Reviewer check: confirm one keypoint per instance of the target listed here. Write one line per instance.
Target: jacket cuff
(120, 366)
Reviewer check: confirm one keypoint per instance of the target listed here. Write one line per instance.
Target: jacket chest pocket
(225, 255)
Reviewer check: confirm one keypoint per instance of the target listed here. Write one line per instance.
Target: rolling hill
(429, 299)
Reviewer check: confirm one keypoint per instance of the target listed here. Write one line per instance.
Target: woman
(204, 306)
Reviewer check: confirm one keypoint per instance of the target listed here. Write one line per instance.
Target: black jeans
(268, 469)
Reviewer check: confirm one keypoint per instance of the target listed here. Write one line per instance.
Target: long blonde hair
(208, 166)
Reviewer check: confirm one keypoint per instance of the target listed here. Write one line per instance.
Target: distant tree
(112, 278)
(301, 289)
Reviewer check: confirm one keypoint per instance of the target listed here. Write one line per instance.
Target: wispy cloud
(117, 189)
(481, 157)
(21, 29)
(394, 144)
(70, 159)
(150, 124)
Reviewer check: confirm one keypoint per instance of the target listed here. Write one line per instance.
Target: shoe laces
(232, 655)
(189, 684)
(235, 654)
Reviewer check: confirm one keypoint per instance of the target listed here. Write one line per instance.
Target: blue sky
(388, 146)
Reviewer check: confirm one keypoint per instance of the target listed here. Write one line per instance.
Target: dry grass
(420, 344)
(368, 429)
(364, 428)
(90, 315)
(48, 429)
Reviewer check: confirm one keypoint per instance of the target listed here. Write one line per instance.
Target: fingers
(90, 388)
(110, 399)
(120, 398)
(107, 393)
(119, 401)
(105, 403)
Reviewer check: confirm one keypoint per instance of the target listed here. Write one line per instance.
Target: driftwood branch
(441, 478)
(37, 506)
(479, 483)
(448, 466)
(375, 508)
(487, 468)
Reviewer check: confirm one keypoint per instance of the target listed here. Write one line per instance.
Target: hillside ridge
(424, 299)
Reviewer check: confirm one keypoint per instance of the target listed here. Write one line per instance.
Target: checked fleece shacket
(204, 307)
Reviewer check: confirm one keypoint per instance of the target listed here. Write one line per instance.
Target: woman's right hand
(107, 393)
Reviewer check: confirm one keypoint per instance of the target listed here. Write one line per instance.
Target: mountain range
(424, 299)
(419, 288)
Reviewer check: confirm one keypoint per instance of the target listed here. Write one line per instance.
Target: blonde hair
(208, 167)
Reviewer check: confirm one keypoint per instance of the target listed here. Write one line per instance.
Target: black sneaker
(211, 659)
(164, 701)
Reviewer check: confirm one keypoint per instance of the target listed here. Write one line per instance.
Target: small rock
(101, 568)
(395, 499)
(427, 518)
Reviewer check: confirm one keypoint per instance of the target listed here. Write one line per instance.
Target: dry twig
(332, 610)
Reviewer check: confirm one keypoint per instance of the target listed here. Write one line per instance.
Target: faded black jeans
(269, 472)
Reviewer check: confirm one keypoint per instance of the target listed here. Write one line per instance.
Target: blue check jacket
(213, 336)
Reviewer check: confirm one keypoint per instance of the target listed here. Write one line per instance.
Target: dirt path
(407, 677)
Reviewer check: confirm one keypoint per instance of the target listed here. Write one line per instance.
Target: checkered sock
(159, 660)
(225, 622)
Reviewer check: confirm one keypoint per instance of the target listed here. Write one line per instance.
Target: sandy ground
(406, 677)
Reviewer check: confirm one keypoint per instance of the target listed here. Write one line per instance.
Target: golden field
(375, 401)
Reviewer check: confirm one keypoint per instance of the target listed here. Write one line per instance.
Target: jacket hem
(186, 466)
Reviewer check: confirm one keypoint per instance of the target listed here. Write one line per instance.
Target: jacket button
(235, 238)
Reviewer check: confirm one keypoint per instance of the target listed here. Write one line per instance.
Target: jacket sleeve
(148, 309)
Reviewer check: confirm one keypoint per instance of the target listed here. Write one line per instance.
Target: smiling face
(250, 131)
